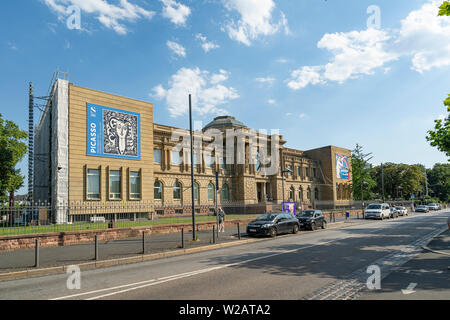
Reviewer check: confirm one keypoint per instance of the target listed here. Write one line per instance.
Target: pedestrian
(221, 220)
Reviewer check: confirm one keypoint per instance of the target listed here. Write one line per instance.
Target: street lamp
(283, 171)
(362, 192)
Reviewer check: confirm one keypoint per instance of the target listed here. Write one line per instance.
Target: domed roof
(224, 121)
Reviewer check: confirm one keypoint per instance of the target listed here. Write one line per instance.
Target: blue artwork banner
(113, 133)
(342, 166)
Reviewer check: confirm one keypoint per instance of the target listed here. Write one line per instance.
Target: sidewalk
(24, 259)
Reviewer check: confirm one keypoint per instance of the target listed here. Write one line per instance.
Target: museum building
(102, 153)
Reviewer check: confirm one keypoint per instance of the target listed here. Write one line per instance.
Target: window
(211, 192)
(157, 156)
(298, 171)
(115, 184)
(93, 185)
(195, 159)
(308, 194)
(209, 161)
(176, 159)
(196, 188)
(177, 191)
(158, 190)
(291, 193)
(306, 172)
(314, 172)
(225, 192)
(135, 185)
(316, 194)
(290, 169)
(300, 194)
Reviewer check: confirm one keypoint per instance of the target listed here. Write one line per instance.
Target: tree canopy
(444, 9)
(12, 150)
(440, 136)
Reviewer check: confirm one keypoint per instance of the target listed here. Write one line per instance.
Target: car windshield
(421, 207)
(306, 213)
(267, 217)
(374, 206)
(401, 208)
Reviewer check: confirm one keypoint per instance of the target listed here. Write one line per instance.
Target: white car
(402, 211)
(377, 211)
(434, 206)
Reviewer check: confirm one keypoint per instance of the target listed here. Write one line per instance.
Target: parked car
(422, 208)
(377, 211)
(434, 206)
(272, 224)
(311, 219)
(402, 211)
(393, 213)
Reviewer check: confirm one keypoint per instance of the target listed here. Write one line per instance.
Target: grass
(6, 231)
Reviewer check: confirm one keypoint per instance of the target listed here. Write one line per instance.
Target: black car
(272, 224)
(311, 219)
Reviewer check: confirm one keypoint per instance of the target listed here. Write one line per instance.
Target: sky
(373, 73)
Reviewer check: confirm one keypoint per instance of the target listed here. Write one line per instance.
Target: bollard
(334, 217)
(36, 254)
(239, 230)
(214, 234)
(182, 238)
(96, 248)
(143, 242)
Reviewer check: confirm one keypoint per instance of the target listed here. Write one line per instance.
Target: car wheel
(273, 232)
(324, 225)
(313, 226)
(295, 230)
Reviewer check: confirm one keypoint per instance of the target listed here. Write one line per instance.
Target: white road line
(152, 282)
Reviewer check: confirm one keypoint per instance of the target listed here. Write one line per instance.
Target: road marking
(152, 282)
(410, 288)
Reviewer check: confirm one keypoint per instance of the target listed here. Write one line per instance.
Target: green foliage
(439, 180)
(12, 150)
(440, 136)
(400, 180)
(444, 9)
(361, 174)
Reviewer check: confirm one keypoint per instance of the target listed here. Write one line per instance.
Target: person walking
(221, 220)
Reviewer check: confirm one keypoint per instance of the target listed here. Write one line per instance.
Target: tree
(12, 150)
(362, 182)
(444, 9)
(440, 136)
(439, 179)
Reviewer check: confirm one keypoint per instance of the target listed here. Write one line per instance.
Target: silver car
(402, 211)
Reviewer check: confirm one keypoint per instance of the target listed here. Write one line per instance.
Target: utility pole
(30, 143)
(192, 171)
(382, 181)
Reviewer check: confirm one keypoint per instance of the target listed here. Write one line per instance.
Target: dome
(224, 121)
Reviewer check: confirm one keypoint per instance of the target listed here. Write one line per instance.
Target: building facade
(103, 151)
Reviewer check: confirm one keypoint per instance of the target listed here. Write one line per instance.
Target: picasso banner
(342, 166)
(113, 133)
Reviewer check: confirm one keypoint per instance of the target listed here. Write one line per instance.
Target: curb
(146, 257)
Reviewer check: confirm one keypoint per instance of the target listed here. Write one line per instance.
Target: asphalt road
(328, 264)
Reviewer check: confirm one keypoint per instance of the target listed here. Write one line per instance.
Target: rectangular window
(314, 172)
(306, 172)
(135, 185)
(176, 159)
(298, 171)
(93, 184)
(157, 156)
(114, 184)
(209, 161)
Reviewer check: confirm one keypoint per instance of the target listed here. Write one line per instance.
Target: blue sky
(320, 72)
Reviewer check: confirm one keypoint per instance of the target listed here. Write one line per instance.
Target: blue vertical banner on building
(342, 166)
(113, 133)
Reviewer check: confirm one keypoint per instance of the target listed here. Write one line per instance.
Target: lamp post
(362, 192)
(283, 171)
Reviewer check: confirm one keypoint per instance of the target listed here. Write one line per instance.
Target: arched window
(316, 194)
(196, 193)
(158, 187)
(300, 194)
(291, 194)
(225, 192)
(177, 191)
(211, 192)
(308, 194)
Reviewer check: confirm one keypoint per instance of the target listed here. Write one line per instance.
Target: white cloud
(303, 116)
(206, 45)
(282, 60)
(208, 92)
(176, 12)
(424, 37)
(272, 102)
(267, 80)
(176, 48)
(255, 20)
(304, 76)
(110, 15)
(12, 46)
